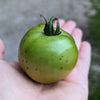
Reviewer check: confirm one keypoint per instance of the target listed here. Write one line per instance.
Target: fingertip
(61, 22)
(71, 22)
(2, 49)
(85, 49)
(87, 44)
(69, 26)
(78, 30)
(84, 58)
(77, 35)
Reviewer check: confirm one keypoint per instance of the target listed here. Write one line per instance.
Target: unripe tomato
(47, 54)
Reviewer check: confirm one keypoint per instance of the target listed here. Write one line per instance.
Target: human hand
(16, 85)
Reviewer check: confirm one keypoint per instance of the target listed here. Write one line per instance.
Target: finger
(69, 26)
(77, 35)
(84, 58)
(2, 49)
(61, 22)
(77, 77)
(14, 64)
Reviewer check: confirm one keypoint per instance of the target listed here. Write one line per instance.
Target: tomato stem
(49, 29)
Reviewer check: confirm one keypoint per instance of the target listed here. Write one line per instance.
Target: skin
(47, 59)
(15, 84)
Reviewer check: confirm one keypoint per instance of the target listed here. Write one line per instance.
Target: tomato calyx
(49, 29)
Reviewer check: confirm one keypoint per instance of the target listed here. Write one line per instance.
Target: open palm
(16, 85)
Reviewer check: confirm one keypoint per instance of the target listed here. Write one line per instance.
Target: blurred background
(17, 16)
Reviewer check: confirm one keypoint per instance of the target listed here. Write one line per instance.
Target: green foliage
(95, 94)
(94, 90)
(95, 24)
(94, 27)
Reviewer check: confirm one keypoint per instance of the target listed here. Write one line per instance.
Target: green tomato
(47, 54)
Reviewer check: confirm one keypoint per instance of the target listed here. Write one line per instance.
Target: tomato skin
(47, 59)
